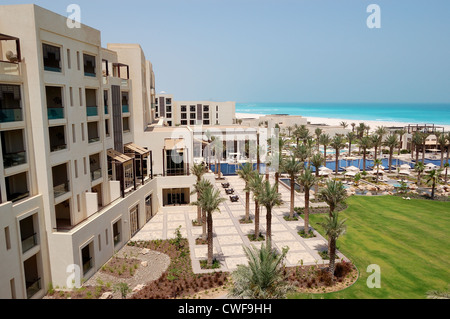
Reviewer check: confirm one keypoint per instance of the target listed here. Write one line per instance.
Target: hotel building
(85, 159)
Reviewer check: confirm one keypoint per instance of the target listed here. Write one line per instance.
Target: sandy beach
(333, 121)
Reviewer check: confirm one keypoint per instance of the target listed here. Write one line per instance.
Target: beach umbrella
(352, 168)
(405, 166)
(350, 173)
(325, 169)
(380, 167)
(404, 172)
(324, 173)
(430, 165)
(375, 172)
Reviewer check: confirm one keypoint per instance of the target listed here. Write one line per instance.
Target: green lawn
(409, 240)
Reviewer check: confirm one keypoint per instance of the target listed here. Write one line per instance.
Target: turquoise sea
(410, 113)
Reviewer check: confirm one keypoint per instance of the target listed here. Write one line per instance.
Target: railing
(94, 139)
(124, 82)
(106, 109)
(15, 197)
(29, 243)
(87, 265)
(97, 174)
(61, 189)
(52, 69)
(11, 115)
(33, 287)
(125, 109)
(55, 113)
(92, 110)
(9, 68)
(60, 147)
(90, 74)
(14, 159)
(117, 239)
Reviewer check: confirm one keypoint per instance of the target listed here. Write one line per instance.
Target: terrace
(10, 60)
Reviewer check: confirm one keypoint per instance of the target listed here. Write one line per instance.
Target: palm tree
(381, 131)
(269, 198)
(400, 134)
(351, 136)
(276, 157)
(353, 127)
(365, 143)
(289, 128)
(424, 140)
(198, 170)
(442, 144)
(377, 163)
(419, 168)
(391, 142)
(263, 277)
(448, 147)
(317, 161)
(446, 166)
(198, 188)
(255, 185)
(344, 124)
(333, 194)
(337, 144)
(307, 180)
(333, 229)
(218, 151)
(245, 172)
(292, 167)
(376, 142)
(325, 140)
(416, 141)
(318, 132)
(209, 201)
(433, 180)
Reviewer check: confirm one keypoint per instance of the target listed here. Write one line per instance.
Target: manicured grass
(409, 240)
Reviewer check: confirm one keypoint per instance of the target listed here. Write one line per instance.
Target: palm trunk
(199, 210)
(337, 163)
(391, 152)
(306, 211)
(349, 148)
(432, 189)
(210, 239)
(376, 153)
(417, 154)
(332, 255)
(277, 179)
(423, 153)
(204, 230)
(219, 172)
(325, 155)
(269, 226)
(442, 158)
(364, 161)
(291, 212)
(257, 231)
(247, 205)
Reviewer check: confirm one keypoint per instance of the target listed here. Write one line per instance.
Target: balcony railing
(33, 287)
(61, 189)
(14, 159)
(29, 243)
(87, 265)
(93, 75)
(11, 115)
(125, 82)
(117, 239)
(56, 148)
(94, 139)
(125, 109)
(97, 174)
(106, 109)
(92, 111)
(55, 113)
(15, 197)
(9, 68)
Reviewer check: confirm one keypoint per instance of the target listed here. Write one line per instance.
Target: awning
(173, 144)
(118, 157)
(137, 149)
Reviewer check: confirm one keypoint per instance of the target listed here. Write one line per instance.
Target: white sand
(336, 122)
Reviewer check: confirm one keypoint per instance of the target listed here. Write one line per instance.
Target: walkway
(230, 236)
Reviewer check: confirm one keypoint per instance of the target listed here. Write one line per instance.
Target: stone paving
(230, 236)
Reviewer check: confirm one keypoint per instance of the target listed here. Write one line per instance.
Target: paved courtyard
(230, 236)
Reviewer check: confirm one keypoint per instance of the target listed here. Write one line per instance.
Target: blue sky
(285, 50)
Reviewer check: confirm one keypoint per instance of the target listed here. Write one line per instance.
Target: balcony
(57, 138)
(91, 102)
(96, 174)
(63, 216)
(93, 135)
(32, 277)
(9, 68)
(87, 265)
(17, 187)
(60, 180)
(13, 148)
(52, 58)
(14, 159)
(29, 242)
(10, 103)
(125, 109)
(89, 65)
(28, 235)
(55, 106)
(61, 189)
(33, 287)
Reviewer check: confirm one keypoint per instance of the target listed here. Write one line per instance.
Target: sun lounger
(229, 191)
(234, 199)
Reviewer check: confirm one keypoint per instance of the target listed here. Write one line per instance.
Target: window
(192, 116)
(99, 242)
(105, 101)
(148, 208)
(93, 132)
(183, 116)
(206, 122)
(52, 58)
(206, 108)
(80, 96)
(10, 103)
(13, 148)
(82, 132)
(192, 122)
(126, 124)
(57, 136)
(169, 115)
(117, 228)
(76, 168)
(71, 96)
(168, 101)
(74, 134)
(134, 220)
(78, 61)
(206, 116)
(184, 122)
(55, 102)
(107, 132)
(192, 108)
(106, 237)
(17, 187)
(89, 65)
(183, 108)
(168, 109)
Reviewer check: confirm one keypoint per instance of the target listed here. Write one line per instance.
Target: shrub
(342, 269)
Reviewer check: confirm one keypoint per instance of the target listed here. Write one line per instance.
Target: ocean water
(394, 112)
